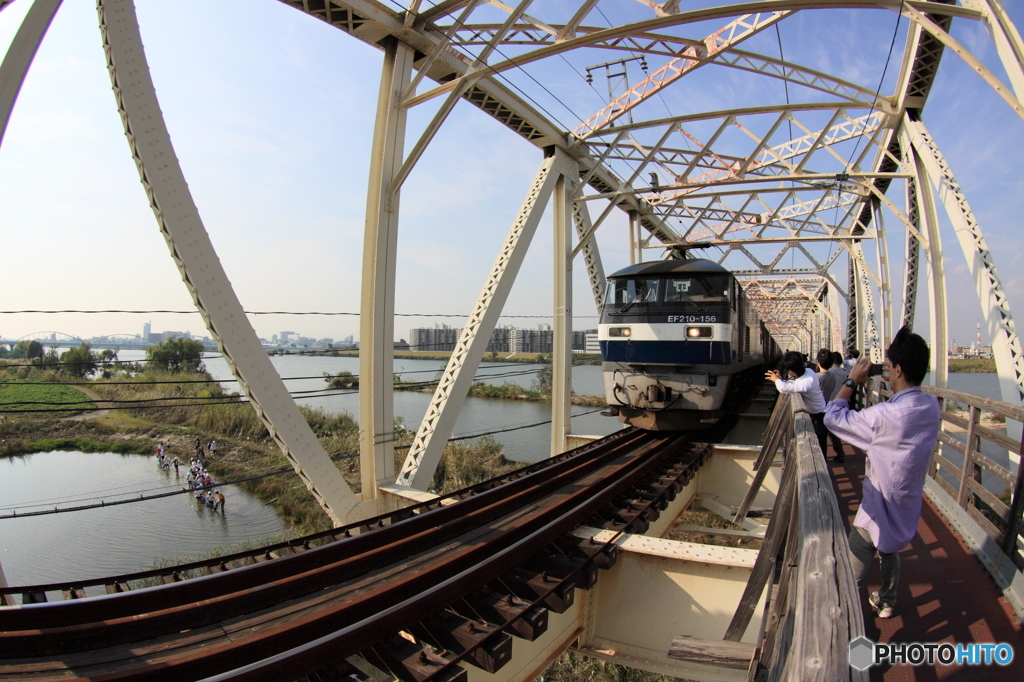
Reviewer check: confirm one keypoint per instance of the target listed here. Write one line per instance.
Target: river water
(127, 538)
(112, 540)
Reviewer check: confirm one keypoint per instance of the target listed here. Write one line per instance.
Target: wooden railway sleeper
(74, 593)
(488, 647)
(528, 622)
(581, 572)
(175, 577)
(530, 585)
(117, 588)
(658, 500)
(218, 568)
(603, 554)
(410, 662)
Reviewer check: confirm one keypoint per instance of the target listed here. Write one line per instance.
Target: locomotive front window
(625, 293)
(709, 289)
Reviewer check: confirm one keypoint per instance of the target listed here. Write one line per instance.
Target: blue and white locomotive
(678, 339)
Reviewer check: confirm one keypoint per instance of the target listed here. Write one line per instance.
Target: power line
(878, 90)
(254, 312)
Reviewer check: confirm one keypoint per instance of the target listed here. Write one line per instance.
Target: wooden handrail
(817, 613)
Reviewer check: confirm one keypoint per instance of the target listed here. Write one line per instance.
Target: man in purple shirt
(899, 438)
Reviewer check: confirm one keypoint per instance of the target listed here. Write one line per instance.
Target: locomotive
(679, 341)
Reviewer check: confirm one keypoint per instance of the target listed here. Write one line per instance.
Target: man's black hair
(911, 353)
(794, 362)
(825, 358)
(837, 358)
(853, 354)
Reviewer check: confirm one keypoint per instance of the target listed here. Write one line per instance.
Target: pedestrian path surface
(945, 594)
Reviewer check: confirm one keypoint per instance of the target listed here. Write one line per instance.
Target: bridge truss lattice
(792, 195)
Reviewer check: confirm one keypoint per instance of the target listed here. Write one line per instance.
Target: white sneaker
(884, 610)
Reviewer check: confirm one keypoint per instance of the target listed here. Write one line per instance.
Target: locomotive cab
(674, 335)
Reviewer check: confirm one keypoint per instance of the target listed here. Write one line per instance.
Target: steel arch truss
(791, 196)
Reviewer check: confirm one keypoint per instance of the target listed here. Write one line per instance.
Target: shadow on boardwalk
(945, 594)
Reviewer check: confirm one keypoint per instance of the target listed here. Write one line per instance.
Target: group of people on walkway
(898, 437)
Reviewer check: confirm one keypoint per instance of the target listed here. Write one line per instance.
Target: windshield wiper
(694, 304)
(626, 307)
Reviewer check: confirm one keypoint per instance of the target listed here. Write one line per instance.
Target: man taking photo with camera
(899, 438)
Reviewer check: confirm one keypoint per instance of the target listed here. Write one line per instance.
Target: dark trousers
(821, 432)
(824, 434)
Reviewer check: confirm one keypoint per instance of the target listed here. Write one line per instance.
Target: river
(112, 540)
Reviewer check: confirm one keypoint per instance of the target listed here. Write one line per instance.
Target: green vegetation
(341, 380)
(18, 446)
(973, 365)
(26, 397)
(28, 349)
(79, 361)
(177, 355)
(469, 463)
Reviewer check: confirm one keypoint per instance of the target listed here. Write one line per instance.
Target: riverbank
(505, 391)
(973, 365)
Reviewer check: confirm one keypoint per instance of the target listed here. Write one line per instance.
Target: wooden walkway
(945, 595)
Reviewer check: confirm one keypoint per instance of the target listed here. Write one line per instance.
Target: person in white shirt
(851, 359)
(803, 380)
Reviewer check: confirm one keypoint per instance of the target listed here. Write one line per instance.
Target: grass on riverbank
(973, 365)
(19, 396)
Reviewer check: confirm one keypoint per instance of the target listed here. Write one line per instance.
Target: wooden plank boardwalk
(945, 595)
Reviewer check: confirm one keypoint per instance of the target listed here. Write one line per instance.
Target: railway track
(420, 593)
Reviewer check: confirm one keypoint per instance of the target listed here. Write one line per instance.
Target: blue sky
(271, 115)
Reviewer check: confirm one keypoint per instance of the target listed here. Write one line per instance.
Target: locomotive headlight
(698, 332)
(620, 331)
